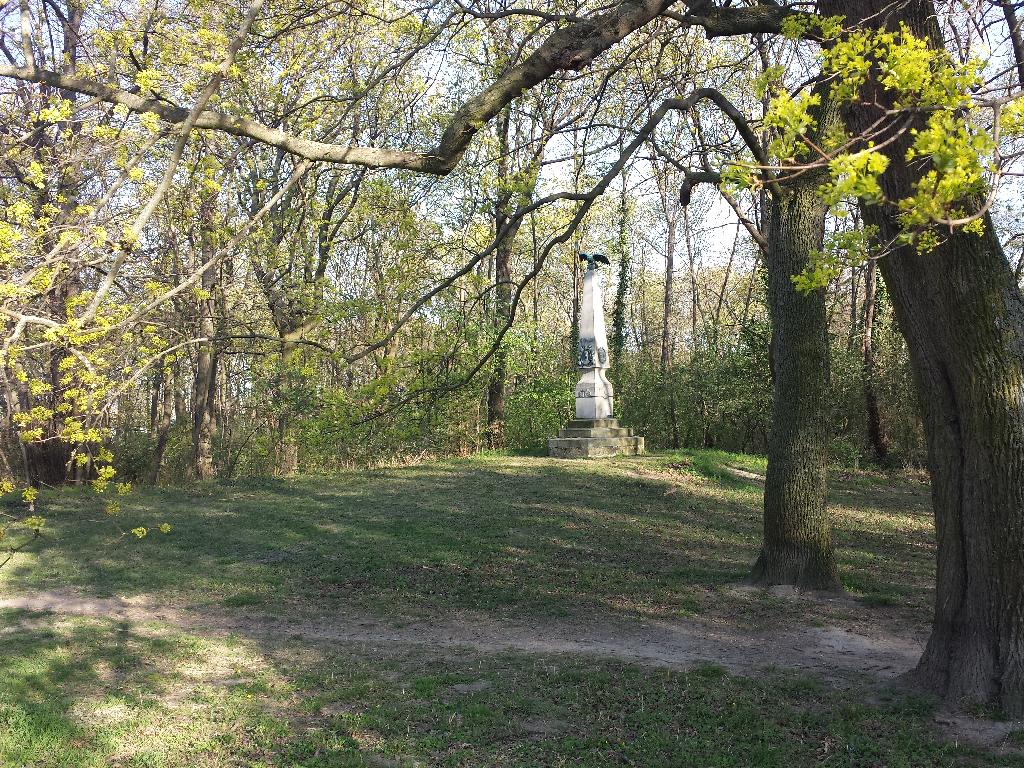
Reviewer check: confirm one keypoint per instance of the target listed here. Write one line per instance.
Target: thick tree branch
(1016, 41)
(725, 22)
(570, 48)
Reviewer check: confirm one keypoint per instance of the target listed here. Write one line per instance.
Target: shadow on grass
(88, 693)
(48, 673)
(512, 535)
(84, 693)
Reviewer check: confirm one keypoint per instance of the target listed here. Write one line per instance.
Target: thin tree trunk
(165, 409)
(618, 337)
(666, 316)
(576, 299)
(203, 402)
(181, 414)
(694, 299)
(877, 432)
(1016, 40)
(287, 462)
(671, 238)
(748, 297)
(204, 390)
(716, 324)
(854, 294)
(502, 289)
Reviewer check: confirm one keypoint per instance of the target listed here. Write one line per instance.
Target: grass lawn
(215, 668)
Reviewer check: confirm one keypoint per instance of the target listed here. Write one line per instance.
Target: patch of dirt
(993, 735)
(835, 653)
(839, 655)
(474, 687)
(543, 728)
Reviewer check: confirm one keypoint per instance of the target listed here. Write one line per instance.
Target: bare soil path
(836, 654)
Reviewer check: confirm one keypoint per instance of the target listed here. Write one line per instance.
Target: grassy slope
(654, 536)
(495, 536)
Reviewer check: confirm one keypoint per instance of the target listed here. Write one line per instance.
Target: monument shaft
(594, 394)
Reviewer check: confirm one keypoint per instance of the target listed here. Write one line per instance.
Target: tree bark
(670, 266)
(502, 289)
(204, 390)
(877, 432)
(203, 400)
(963, 317)
(287, 460)
(617, 342)
(502, 307)
(797, 546)
(962, 313)
(162, 424)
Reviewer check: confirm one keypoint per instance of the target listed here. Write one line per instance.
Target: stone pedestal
(594, 395)
(592, 438)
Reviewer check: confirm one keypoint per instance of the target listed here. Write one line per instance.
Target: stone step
(596, 432)
(592, 424)
(594, 447)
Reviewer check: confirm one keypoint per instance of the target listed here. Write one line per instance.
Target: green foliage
(913, 75)
(720, 397)
(799, 26)
(856, 176)
(957, 151)
(790, 119)
(843, 249)
(536, 408)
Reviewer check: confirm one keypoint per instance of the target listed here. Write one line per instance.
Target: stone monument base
(593, 438)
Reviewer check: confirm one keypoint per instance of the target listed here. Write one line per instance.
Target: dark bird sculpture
(685, 192)
(593, 259)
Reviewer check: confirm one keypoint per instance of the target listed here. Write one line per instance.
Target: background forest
(277, 315)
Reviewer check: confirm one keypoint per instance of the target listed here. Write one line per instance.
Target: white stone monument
(594, 432)
(594, 395)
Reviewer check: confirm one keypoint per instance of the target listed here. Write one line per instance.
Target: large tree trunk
(797, 546)
(963, 317)
(962, 313)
